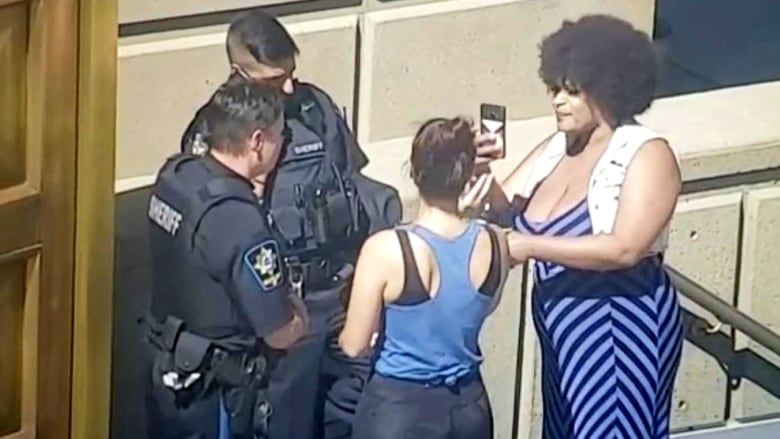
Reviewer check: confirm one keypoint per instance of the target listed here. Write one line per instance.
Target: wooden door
(39, 123)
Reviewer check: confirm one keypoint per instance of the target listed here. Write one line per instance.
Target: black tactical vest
(320, 206)
(181, 285)
(312, 199)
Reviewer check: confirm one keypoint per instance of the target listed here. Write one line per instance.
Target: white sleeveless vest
(607, 177)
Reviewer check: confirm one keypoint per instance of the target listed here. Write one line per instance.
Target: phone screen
(493, 121)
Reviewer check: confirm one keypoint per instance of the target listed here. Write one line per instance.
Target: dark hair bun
(443, 154)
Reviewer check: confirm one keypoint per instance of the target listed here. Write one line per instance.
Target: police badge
(263, 261)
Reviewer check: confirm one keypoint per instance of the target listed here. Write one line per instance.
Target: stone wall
(390, 64)
(394, 63)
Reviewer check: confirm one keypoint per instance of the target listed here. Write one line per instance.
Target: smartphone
(493, 120)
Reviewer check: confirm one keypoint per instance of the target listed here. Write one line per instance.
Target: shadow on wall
(713, 44)
(131, 301)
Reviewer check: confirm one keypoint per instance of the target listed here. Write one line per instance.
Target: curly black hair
(614, 63)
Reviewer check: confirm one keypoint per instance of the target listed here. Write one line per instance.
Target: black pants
(314, 388)
(395, 409)
(343, 379)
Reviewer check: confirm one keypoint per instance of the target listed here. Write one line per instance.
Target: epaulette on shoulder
(314, 92)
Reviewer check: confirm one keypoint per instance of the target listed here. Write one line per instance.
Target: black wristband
(503, 217)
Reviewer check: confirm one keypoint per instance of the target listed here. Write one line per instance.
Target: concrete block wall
(704, 243)
(759, 293)
(401, 61)
(392, 64)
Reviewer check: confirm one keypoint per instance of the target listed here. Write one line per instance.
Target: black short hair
(262, 35)
(442, 160)
(236, 110)
(614, 63)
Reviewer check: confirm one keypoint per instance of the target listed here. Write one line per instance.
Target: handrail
(724, 311)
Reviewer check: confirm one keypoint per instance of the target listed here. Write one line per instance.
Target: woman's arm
(502, 196)
(367, 295)
(647, 201)
(502, 252)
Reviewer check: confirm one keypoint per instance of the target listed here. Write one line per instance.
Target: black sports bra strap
(413, 290)
(493, 278)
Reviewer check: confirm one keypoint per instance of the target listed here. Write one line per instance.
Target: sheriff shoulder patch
(264, 264)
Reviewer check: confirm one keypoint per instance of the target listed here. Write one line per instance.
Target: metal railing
(724, 311)
(734, 361)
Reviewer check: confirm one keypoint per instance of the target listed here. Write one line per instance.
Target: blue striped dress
(610, 341)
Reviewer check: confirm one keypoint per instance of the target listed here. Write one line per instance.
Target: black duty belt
(194, 353)
(318, 273)
(242, 375)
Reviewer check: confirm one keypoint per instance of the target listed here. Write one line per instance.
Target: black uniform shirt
(240, 251)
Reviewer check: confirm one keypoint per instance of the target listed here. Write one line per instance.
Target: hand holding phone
(492, 119)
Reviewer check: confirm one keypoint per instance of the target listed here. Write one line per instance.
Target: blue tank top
(436, 340)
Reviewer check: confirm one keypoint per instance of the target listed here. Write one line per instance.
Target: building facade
(392, 64)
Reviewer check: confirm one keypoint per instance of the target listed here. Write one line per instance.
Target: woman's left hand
(475, 194)
(519, 248)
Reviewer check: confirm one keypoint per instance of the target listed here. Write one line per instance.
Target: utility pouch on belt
(249, 408)
(190, 353)
(164, 336)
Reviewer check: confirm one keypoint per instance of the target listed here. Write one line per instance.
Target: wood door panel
(12, 282)
(19, 213)
(57, 61)
(19, 294)
(38, 115)
(20, 219)
(13, 45)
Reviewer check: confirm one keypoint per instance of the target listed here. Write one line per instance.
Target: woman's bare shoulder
(381, 242)
(656, 153)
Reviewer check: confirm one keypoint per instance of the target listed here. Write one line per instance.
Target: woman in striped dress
(592, 205)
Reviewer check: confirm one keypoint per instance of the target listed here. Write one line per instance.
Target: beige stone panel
(448, 57)
(328, 56)
(722, 132)
(500, 343)
(537, 414)
(528, 413)
(704, 245)
(158, 93)
(163, 80)
(759, 297)
(700, 127)
(389, 158)
(131, 11)
(734, 160)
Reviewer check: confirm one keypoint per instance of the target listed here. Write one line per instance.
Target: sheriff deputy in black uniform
(323, 208)
(223, 308)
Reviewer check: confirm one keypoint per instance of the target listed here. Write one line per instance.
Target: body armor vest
(181, 286)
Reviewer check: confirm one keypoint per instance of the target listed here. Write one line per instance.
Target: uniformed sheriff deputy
(309, 201)
(222, 308)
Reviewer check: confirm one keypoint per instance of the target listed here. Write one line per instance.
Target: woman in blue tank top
(431, 283)
(592, 207)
